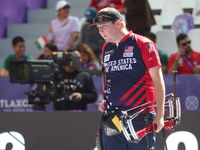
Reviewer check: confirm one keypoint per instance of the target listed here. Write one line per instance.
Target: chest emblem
(106, 57)
(128, 51)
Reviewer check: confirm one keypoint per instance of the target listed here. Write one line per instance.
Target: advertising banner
(13, 99)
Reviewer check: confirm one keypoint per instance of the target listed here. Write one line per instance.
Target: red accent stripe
(139, 102)
(129, 91)
(104, 82)
(134, 97)
(103, 47)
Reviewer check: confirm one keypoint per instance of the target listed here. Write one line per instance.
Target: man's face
(108, 31)
(185, 45)
(19, 49)
(84, 57)
(64, 11)
(47, 52)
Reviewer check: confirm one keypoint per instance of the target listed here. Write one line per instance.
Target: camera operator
(78, 86)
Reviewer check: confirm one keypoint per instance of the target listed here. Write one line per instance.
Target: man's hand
(102, 106)
(196, 69)
(159, 123)
(76, 96)
(181, 51)
(4, 73)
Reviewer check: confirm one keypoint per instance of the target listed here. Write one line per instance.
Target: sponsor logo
(106, 58)
(188, 139)
(192, 102)
(127, 54)
(128, 51)
(151, 58)
(173, 140)
(14, 105)
(12, 140)
(109, 52)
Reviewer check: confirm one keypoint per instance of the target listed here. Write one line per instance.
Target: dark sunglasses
(184, 44)
(66, 7)
(102, 19)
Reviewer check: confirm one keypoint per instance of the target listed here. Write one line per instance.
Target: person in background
(48, 49)
(89, 60)
(132, 77)
(64, 30)
(185, 60)
(19, 47)
(139, 16)
(90, 35)
(79, 87)
(198, 13)
(100, 4)
(163, 55)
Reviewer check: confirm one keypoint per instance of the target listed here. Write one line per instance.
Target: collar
(127, 36)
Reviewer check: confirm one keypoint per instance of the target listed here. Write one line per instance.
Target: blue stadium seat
(41, 15)
(27, 30)
(166, 41)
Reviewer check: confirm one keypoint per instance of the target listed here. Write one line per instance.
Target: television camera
(47, 77)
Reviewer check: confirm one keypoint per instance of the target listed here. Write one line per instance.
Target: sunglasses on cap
(184, 44)
(102, 19)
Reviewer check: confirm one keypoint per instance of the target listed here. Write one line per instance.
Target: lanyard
(188, 62)
(108, 1)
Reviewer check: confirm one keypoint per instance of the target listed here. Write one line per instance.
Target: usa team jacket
(126, 66)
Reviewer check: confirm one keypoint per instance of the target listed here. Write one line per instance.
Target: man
(64, 30)
(79, 89)
(185, 60)
(133, 76)
(163, 55)
(91, 36)
(19, 47)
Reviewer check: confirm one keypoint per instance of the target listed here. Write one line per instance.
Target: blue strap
(188, 62)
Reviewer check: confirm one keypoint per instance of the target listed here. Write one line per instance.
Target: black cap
(107, 14)
(112, 12)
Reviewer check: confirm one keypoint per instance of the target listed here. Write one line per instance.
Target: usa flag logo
(128, 49)
(150, 48)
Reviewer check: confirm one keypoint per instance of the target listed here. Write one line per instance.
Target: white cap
(60, 4)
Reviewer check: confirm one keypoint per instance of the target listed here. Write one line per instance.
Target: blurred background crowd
(35, 29)
(66, 24)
